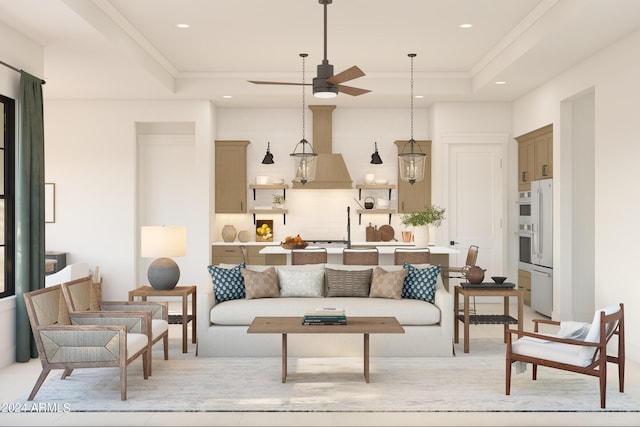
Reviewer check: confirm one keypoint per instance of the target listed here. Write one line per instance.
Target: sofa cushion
(301, 283)
(228, 283)
(409, 312)
(420, 283)
(260, 284)
(345, 283)
(387, 284)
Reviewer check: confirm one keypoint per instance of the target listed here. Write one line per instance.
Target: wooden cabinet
(526, 164)
(544, 156)
(535, 156)
(524, 283)
(231, 176)
(232, 254)
(417, 196)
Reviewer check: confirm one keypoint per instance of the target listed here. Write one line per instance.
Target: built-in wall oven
(525, 230)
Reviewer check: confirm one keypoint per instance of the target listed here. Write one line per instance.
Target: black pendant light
(268, 157)
(304, 161)
(375, 157)
(411, 164)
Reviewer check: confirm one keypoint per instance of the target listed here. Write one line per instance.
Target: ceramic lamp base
(163, 274)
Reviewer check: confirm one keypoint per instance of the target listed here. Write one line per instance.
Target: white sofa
(222, 327)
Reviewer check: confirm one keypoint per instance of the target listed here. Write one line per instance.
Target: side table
(467, 290)
(179, 291)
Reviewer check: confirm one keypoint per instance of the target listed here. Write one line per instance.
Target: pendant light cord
(303, 55)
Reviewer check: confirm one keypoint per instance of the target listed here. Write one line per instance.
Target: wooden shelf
(284, 213)
(268, 186)
(374, 212)
(360, 187)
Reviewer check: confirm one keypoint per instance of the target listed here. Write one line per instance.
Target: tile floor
(18, 379)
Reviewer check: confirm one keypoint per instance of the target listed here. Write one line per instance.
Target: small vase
(421, 236)
(229, 233)
(243, 236)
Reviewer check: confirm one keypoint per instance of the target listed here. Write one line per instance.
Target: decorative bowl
(262, 180)
(294, 245)
(499, 279)
(381, 181)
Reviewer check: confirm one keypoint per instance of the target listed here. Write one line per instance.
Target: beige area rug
(467, 382)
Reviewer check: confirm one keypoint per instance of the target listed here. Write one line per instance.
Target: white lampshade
(163, 241)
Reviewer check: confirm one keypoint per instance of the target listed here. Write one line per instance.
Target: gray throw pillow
(348, 283)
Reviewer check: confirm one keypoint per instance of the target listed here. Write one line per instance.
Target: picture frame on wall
(49, 202)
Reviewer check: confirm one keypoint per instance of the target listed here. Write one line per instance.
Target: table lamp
(161, 242)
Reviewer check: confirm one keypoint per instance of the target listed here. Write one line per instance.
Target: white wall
(26, 55)
(613, 75)
(90, 151)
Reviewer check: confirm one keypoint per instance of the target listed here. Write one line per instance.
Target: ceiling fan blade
(350, 90)
(346, 75)
(278, 83)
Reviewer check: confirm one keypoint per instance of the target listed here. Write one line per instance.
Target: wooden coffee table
(355, 325)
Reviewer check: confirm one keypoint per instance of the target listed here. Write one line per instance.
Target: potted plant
(278, 201)
(420, 221)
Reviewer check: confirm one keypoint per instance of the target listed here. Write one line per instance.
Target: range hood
(331, 171)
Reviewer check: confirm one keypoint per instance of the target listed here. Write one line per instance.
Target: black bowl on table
(499, 279)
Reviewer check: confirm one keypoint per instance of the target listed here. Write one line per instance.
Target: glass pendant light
(268, 157)
(411, 164)
(375, 157)
(304, 161)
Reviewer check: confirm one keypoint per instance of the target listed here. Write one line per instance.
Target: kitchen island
(439, 254)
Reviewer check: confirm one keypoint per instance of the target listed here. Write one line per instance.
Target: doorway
(476, 199)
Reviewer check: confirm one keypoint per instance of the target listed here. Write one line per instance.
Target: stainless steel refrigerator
(542, 246)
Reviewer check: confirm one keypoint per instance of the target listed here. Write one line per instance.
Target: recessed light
(465, 25)
(501, 82)
(182, 25)
(227, 96)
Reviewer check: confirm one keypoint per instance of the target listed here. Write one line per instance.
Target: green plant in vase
(278, 201)
(421, 220)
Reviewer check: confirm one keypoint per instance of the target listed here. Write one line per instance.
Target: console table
(467, 290)
(179, 291)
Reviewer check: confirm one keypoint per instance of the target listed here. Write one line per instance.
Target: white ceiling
(132, 49)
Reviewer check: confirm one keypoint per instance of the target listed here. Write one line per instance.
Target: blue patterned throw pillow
(228, 283)
(420, 283)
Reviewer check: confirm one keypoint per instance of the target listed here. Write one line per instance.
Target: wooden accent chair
(309, 256)
(460, 272)
(411, 256)
(81, 295)
(85, 340)
(362, 256)
(577, 347)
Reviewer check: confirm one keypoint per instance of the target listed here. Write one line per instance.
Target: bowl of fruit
(294, 243)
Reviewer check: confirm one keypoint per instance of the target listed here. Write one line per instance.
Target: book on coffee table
(325, 316)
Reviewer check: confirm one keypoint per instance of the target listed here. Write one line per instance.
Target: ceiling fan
(326, 84)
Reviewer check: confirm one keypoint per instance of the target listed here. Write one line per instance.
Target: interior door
(477, 205)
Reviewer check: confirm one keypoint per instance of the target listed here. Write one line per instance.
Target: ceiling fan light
(325, 95)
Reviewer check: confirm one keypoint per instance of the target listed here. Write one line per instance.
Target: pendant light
(268, 157)
(304, 161)
(375, 157)
(411, 164)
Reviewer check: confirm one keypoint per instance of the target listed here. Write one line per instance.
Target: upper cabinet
(231, 176)
(415, 197)
(535, 156)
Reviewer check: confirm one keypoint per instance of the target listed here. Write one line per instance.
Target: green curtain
(30, 249)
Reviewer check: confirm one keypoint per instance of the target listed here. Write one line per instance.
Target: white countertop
(382, 249)
(389, 243)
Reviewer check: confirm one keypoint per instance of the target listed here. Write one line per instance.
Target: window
(7, 197)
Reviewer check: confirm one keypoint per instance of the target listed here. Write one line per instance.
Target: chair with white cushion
(577, 347)
(84, 340)
(81, 296)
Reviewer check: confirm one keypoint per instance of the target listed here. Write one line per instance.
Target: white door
(477, 202)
